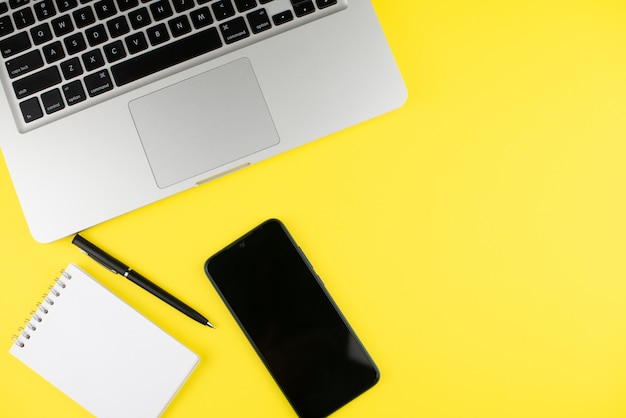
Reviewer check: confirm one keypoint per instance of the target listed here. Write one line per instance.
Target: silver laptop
(110, 105)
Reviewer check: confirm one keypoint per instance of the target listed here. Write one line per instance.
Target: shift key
(34, 83)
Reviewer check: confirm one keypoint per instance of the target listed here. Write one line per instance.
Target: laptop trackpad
(203, 123)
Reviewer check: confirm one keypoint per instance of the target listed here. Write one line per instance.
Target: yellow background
(474, 238)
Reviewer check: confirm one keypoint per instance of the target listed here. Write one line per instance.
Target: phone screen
(291, 321)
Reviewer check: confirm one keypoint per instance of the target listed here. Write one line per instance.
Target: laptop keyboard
(62, 56)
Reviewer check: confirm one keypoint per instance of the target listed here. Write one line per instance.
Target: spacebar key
(166, 56)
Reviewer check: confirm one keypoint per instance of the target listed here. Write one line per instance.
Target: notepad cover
(101, 352)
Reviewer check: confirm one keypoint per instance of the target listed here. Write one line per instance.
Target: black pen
(118, 267)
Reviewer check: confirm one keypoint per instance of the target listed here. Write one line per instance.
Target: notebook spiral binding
(43, 309)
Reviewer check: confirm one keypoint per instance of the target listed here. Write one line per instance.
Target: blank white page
(101, 352)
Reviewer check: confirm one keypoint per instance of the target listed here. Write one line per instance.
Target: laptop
(110, 105)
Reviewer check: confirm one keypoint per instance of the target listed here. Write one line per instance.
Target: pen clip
(112, 270)
(98, 255)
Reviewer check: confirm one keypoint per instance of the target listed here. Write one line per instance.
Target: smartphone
(291, 321)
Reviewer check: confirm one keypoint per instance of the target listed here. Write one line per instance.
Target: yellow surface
(473, 238)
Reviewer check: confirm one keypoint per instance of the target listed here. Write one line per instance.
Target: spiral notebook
(101, 352)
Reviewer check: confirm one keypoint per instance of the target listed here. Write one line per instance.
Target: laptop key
(65, 5)
(161, 9)
(183, 5)
(284, 17)
(71, 68)
(37, 82)
(93, 59)
(53, 52)
(105, 9)
(201, 17)
(6, 26)
(74, 93)
(234, 30)
(17, 3)
(98, 83)
(84, 17)
(158, 34)
(223, 9)
(259, 21)
(127, 4)
(62, 25)
(24, 64)
(23, 18)
(321, 4)
(179, 26)
(52, 101)
(96, 35)
(245, 5)
(136, 42)
(139, 18)
(75, 43)
(44, 9)
(302, 8)
(166, 56)
(118, 26)
(41, 34)
(114, 51)
(31, 110)
(14, 45)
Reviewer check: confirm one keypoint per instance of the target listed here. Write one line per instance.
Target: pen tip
(210, 324)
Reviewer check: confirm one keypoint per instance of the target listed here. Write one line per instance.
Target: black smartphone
(291, 321)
